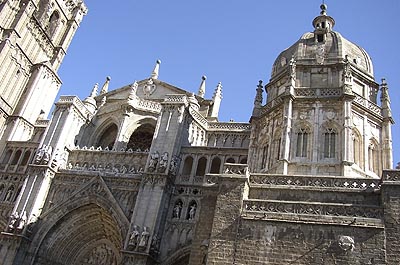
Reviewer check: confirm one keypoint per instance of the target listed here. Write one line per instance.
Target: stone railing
(319, 92)
(147, 105)
(391, 175)
(237, 169)
(229, 126)
(367, 104)
(312, 208)
(315, 181)
(116, 162)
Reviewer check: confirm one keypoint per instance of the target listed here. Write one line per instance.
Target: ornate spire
(217, 97)
(154, 74)
(385, 100)
(94, 90)
(90, 102)
(104, 88)
(202, 88)
(258, 99)
(132, 93)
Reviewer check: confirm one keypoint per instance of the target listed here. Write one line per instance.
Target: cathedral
(147, 174)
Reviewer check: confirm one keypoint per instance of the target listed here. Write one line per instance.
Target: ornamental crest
(149, 88)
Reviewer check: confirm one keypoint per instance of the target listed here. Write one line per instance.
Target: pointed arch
(215, 165)
(358, 150)
(201, 166)
(91, 224)
(141, 138)
(373, 156)
(107, 137)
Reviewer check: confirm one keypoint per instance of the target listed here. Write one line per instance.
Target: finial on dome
(104, 88)
(202, 88)
(154, 74)
(323, 9)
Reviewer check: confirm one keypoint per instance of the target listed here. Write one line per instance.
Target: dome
(324, 46)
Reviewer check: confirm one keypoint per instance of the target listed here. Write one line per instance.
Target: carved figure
(9, 194)
(346, 243)
(163, 162)
(22, 221)
(144, 237)
(153, 161)
(192, 211)
(13, 221)
(134, 238)
(47, 155)
(177, 210)
(40, 154)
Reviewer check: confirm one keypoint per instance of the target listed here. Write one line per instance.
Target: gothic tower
(34, 37)
(322, 116)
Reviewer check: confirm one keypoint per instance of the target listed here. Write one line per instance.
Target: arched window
(330, 143)
(201, 167)
(141, 138)
(230, 160)
(25, 158)
(215, 165)
(243, 160)
(357, 149)
(54, 22)
(187, 166)
(108, 137)
(302, 143)
(373, 157)
(264, 158)
(16, 157)
(7, 156)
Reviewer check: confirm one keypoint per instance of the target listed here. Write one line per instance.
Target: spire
(104, 88)
(90, 102)
(132, 93)
(385, 100)
(202, 88)
(94, 90)
(258, 99)
(217, 97)
(154, 74)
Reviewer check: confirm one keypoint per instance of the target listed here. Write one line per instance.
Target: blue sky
(233, 42)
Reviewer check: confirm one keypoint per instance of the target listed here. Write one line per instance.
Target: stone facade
(146, 174)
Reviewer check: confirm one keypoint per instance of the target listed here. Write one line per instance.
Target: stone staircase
(314, 199)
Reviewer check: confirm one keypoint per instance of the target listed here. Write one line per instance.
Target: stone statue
(47, 155)
(192, 211)
(177, 210)
(13, 221)
(40, 154)
(144, 238)
(163, 162)
(134, 238)
(9, 194)
(153, 161)
(173, 165)
(22, 221)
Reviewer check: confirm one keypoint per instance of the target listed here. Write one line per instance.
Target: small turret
(104, 88)
(156, 70)
(202, 88)
(322, 24)
(90, 102)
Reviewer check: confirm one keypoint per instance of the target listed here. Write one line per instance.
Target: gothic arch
(179, 257)
(106, 135)
(358, 148)
(89, 227)
(373, 156)
(302, 135)
(330, 138)
(141, 138)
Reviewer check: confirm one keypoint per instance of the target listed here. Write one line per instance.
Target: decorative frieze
(315, 181)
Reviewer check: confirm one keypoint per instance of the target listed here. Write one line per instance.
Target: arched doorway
(86, 235)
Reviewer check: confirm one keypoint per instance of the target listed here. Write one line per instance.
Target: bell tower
(34, 38)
